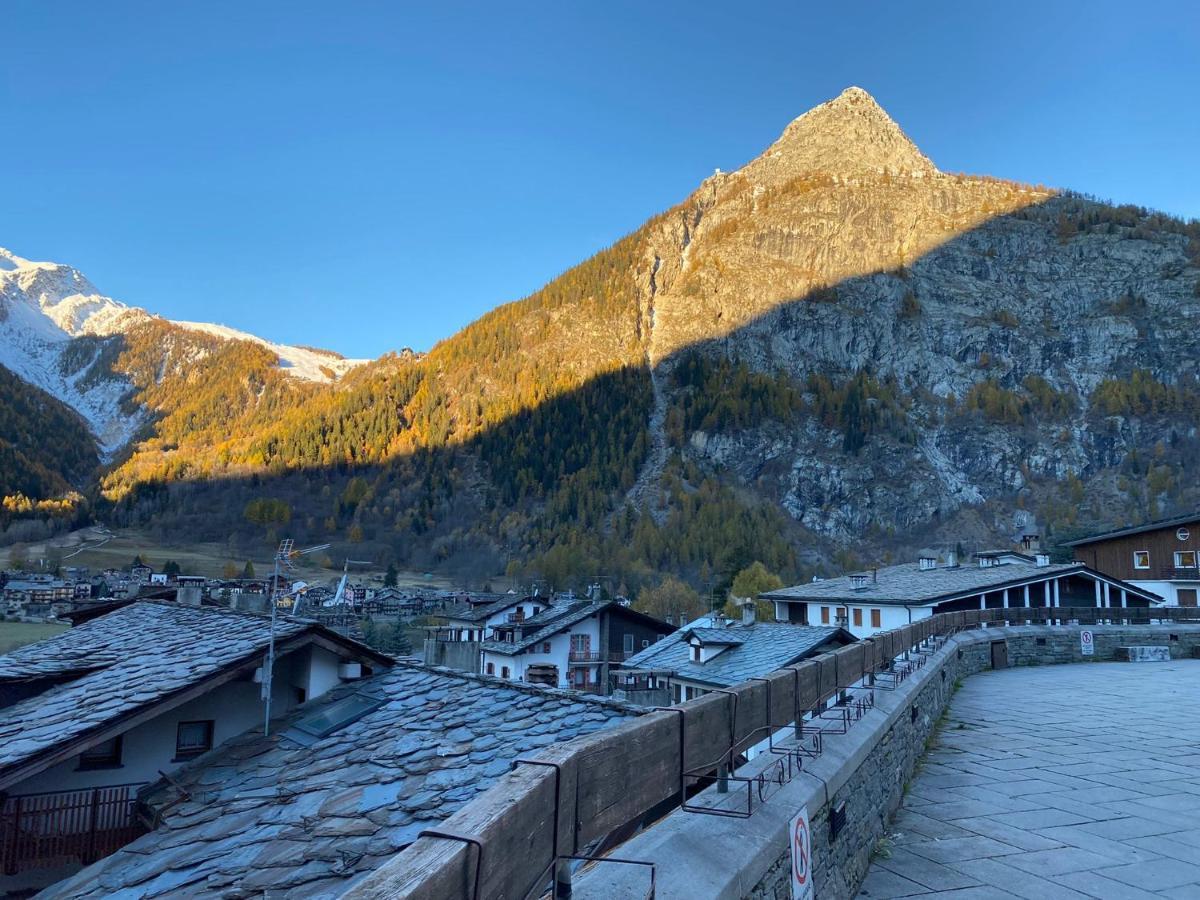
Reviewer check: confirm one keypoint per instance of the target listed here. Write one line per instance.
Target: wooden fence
(503, 843)
(64, 827)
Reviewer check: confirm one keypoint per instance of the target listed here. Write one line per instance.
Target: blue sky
(366, 176)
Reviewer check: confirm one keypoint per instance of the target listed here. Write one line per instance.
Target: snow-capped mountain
(46, 308)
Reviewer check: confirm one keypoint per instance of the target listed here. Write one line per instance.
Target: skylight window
(337, 715)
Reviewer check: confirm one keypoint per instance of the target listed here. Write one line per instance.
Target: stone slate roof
(273, 815)
(909, 585)
(1156, 525)
(764, 647)
(120, 662)
(480, 612)
(714, 635)
(546, 624)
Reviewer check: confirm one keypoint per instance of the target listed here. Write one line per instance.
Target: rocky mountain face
(832, 355)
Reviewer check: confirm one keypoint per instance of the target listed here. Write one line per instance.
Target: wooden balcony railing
(53, 829)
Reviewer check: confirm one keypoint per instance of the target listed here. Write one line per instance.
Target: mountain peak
(846, 136)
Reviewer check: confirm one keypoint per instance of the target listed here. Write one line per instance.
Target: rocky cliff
(836, 353)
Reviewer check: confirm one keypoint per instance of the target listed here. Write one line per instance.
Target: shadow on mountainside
(995, 384)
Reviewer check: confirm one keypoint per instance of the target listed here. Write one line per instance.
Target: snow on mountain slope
(302, 362)
(45, 306)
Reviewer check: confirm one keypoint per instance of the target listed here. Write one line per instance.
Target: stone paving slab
(1079, 782)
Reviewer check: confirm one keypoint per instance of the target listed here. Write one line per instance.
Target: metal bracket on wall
(548, 872)
(465, 839)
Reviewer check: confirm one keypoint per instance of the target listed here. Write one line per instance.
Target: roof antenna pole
(283, 560)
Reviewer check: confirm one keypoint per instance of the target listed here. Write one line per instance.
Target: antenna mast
(283, 560)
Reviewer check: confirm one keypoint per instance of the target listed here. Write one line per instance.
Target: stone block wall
(875, 785)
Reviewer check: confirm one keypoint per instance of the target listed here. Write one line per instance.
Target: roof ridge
(524, 687)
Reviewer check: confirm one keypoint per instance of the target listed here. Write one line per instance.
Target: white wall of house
(233, 707)
(890, 616)
(558, 655)
(1168, 590)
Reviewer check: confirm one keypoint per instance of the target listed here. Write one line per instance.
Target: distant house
(338, 789)
(718, 653)
(477, 621)
(1160, 556)
(92, 715)
(570, 644)
(40, 590)
(881, 599)
(472, 620)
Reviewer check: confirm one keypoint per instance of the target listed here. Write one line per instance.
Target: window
(193, 738)
(102, 756)
(505, 672)
(1185, 559)
(646, 643)
(824, 615)
(545, 646)
(627, 643)
(491, 668)
(325, 721)
(696, 654)
(858, 617)
(1141, 559)
(875, 617)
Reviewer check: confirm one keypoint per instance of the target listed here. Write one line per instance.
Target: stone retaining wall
(874, 788)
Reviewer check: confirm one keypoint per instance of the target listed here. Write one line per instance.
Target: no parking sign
(1087, 646)
(801, 844)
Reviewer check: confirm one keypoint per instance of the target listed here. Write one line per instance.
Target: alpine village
(688, 575)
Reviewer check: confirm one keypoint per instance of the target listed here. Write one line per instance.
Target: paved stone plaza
(1074, 781)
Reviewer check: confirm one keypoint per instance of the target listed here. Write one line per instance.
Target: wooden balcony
(67, 827)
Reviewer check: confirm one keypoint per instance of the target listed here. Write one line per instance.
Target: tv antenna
(284, 560)
(339, 596)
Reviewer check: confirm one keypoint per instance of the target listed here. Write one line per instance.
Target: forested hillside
(833, 356)
(47, 454)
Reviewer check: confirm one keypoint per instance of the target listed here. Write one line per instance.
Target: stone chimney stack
(749, 612)
(188, 596)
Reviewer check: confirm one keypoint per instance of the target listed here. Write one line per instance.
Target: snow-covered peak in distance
(55, 303)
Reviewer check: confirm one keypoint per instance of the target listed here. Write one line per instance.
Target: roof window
(336, 715)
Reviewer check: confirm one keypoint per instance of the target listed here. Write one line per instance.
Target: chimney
(1043, 559)
(187, 596)
(858, 582)
(926, 562)
(952, 560)
(749, 612)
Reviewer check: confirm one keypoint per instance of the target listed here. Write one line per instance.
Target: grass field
(18, 634)
(99, 548)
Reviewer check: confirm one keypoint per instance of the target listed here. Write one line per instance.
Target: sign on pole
(801, 843)
(1086, 645)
